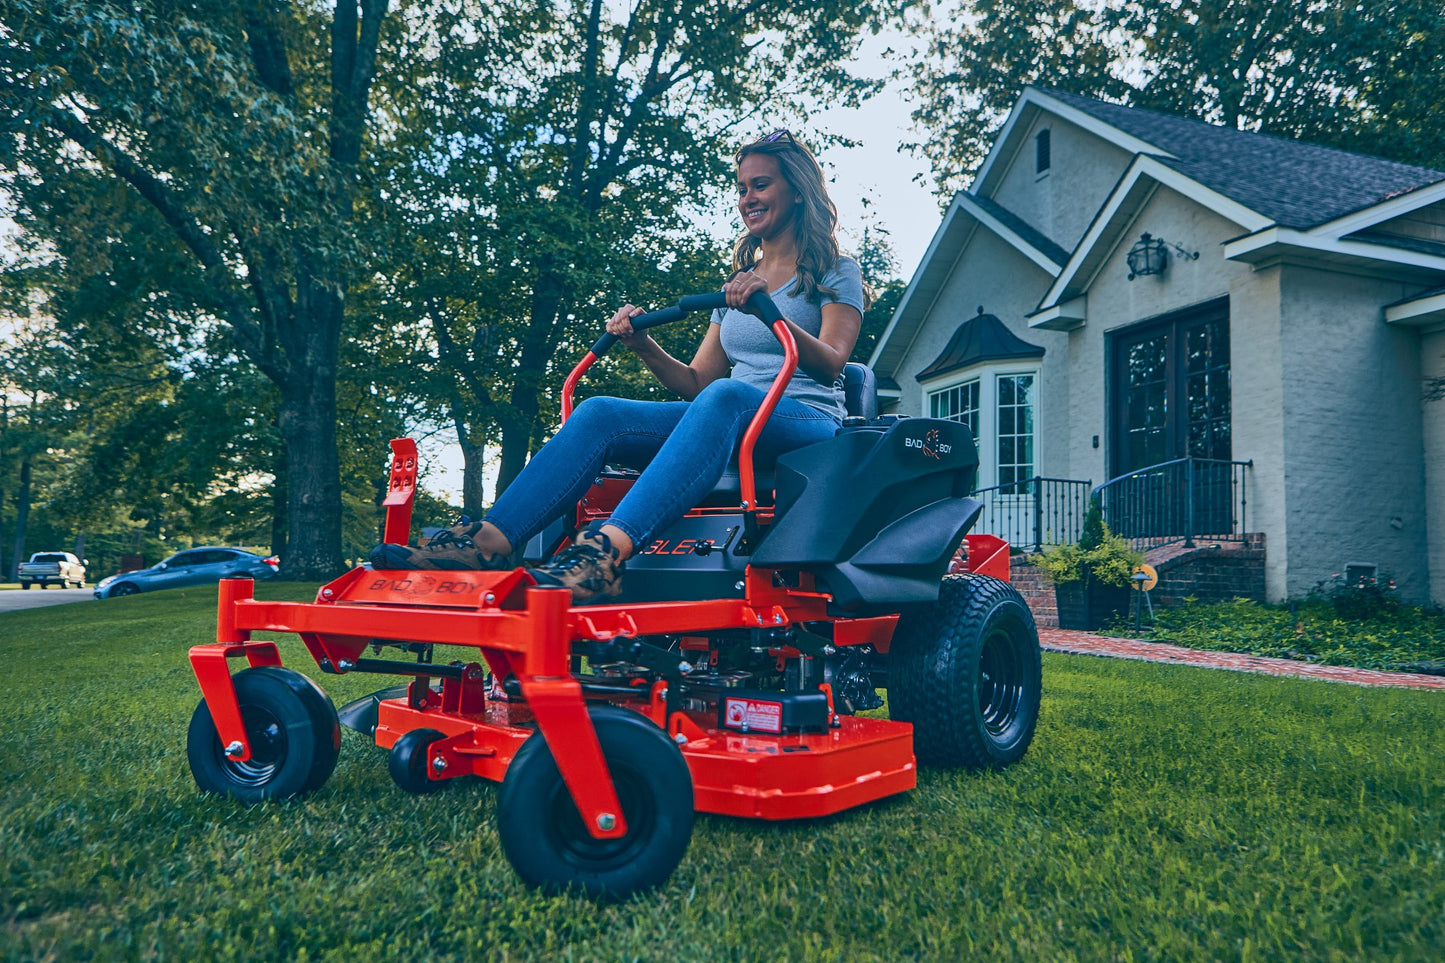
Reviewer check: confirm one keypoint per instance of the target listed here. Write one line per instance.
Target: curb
(1086, 643)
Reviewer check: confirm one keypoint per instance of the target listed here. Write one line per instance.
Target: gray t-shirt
(756, 355)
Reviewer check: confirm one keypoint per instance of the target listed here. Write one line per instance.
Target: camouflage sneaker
(450, 550)
(590, 568)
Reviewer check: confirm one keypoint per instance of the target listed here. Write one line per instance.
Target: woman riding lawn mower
(721, 669)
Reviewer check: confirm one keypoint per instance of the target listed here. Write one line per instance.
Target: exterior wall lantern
(1150, 255)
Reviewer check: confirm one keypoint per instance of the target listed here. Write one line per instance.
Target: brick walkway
(1085, 643)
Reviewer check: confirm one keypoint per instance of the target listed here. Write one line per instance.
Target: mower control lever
(759, 304)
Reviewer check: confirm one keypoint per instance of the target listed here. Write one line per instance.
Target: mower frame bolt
(439, 764)
(489, 598)
(606, 822)
(346, 665)
(235, 749)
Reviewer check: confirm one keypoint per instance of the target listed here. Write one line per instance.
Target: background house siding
(990, 273)
(1061, 204)
(1116, 303)
(1355, 489)
(1432, 360)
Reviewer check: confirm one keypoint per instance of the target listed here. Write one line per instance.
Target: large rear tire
(543, 834)
(967, 673)
(294, 735)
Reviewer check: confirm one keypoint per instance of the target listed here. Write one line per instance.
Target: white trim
(905, 301)
(1033, 97)
(1417, 313)
(1044, 262)
(1383, 211)
(964, 202)
(1062, 317)
(987, 374)
(1105, 229)
(1239, 248)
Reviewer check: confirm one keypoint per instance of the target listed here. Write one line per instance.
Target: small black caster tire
(294, 734)
(967, 673)
(543, 835)
(408, 761)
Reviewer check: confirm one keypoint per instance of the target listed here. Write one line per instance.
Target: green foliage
(1361, 76)
(1099, 554)
(1184, 813)
(1312, 630)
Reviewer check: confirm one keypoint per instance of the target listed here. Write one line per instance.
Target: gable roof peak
(1294, 183)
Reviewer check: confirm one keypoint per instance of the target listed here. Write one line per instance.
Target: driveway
(13, 599)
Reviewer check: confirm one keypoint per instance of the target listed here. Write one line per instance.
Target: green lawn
(1164, 813)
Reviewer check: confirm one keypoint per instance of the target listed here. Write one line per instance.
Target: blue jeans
(689, 444)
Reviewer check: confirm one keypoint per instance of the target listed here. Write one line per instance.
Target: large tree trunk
(519, 428)
(308, 427)
(22, 518)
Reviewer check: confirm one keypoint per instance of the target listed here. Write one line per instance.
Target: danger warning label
(752, 715)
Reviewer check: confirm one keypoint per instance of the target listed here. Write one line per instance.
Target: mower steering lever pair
(759, 304)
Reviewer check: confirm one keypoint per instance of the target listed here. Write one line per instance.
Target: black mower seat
(860, 400)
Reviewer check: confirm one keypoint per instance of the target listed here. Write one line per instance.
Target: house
(1120, 289)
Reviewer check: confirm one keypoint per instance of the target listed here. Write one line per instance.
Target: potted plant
(1091, 577)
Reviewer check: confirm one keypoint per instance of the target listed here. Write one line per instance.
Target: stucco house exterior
(1289, 336)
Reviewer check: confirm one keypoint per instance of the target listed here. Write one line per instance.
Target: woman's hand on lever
(620, 326)
(742, 286)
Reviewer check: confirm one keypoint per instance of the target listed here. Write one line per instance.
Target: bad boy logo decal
(929, 445)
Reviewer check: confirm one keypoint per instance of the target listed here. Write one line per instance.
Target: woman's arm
(708, 364)
(821, 358)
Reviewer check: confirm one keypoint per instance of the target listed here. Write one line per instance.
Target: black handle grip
(762, 306)
(703, 302)
(684, 307)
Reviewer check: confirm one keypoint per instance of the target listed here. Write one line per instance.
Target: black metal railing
(1034, 512)
(1184, 500)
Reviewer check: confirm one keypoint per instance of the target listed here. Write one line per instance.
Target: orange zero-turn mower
(730, 677)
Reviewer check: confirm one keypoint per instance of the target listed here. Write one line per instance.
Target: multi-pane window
(959, 403)
(998, 407)
(1015, 428)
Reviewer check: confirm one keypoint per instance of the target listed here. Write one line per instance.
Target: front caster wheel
(408, 761)
(966, 672)
(294, 735)
(543, 834)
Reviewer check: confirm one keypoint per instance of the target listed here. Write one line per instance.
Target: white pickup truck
(52, 568)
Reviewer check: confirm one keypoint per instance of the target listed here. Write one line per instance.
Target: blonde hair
(815, 224)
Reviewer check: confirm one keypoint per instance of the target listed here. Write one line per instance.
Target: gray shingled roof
(1024, 230)
(1295, 184)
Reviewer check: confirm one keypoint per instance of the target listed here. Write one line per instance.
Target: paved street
(12, 599)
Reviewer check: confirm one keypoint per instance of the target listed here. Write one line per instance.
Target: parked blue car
(194, 567)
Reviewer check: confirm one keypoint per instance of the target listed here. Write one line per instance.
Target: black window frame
(1043, 151)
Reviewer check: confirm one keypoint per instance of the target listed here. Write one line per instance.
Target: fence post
(1189, 502)
(1038, 513)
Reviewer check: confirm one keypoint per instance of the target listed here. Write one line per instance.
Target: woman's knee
(729, 394)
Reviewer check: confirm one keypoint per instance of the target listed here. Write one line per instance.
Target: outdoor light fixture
(1150, 255)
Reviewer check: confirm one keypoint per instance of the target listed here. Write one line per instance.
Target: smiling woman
(788, 250)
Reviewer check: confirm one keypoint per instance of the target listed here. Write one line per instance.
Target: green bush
(1312, 630)
(1099, 553)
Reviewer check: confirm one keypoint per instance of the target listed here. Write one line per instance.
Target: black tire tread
(933, 670)
(626, 736)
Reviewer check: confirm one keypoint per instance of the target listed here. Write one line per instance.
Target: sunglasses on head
(781, 134)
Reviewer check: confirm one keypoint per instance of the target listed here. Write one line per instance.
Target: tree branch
(186, 228)
(268, 50)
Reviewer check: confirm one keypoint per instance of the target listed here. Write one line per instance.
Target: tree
(565, 153)
(1360, 76)
(241, 126)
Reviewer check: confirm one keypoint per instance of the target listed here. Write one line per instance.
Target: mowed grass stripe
(1164, 812)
